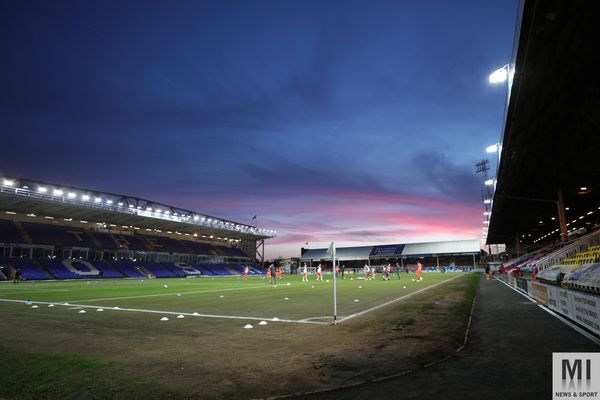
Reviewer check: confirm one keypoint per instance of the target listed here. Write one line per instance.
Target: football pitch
(191, 338)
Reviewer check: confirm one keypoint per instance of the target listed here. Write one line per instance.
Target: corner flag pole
(334, 285)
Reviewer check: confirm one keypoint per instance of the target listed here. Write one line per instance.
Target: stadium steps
(41, 266)
(25, 236)
(93, 239)
(144, 271)
(116, 268)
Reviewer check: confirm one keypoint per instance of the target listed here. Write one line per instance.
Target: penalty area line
(190, 314)
(358, 314)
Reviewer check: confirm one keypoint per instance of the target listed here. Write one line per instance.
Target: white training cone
(116, 308)
(28, 303)
(67, 304)
(221, 296)
(248, 326)
(195, 313)
(287, 284)
(82, 311)
(351, 279)
(275, 319)
(262, 323)
(356, 300)
(164, 319)
(403, 287)
(34, 306)
(327, 280)
(312, 287)
(286, 298)
(180, 316)
(360, 287)
(100, 310)
(165, 286)
(50, 305)
(178, 294)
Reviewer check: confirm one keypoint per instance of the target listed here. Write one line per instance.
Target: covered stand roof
(457, 247)
(551, 137)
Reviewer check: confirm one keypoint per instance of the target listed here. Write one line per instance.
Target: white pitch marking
(387, 303)
(165, 294)
(194, 314)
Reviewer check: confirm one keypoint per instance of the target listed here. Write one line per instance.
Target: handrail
(582, 244)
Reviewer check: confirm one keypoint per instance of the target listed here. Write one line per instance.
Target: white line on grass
(108, 308)
(358, 314)
(170, 293)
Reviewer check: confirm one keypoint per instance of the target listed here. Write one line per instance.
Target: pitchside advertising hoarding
(576, 375)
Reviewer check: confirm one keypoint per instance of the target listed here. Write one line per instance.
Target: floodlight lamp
(487, 201)
(57, 192)
(8, 182)
(500, 75)
(148, 208)
(120, 204)
(196, 218)
(85, 197)
(109, 201)
(71, 195)
(489, 182)
(492, 149)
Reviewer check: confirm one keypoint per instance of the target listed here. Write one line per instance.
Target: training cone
(248, 326)
(195, 313)
(100, 310)
(262, 323)
(34, 306)
(164, 319)
(275, 319)
(82, 311)
(50, 305)
(180, 316)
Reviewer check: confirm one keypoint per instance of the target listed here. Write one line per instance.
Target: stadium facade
(458, 253)
(44, 221)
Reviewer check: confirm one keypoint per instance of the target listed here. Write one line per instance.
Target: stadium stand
(9, 232)
(106, 270)
(57, 235)
(130, 269)
(29, 270)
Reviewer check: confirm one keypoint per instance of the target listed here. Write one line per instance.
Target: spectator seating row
(590, 256)
(66, 236)
(47, 268)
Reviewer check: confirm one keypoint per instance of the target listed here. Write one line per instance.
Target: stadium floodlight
(489, 182)
(109, 201)
(583, 188)
(57, 192)
(196, 218)
(486, 213)
(167, 212)
(486, 222)
(85, 197)
(493, 148)
(130, 205)
(590, 213)
(120, 204)
(500, 75)
(98, 200)
(71, 195)
(487, 201)
(8, 182)
(148, 208)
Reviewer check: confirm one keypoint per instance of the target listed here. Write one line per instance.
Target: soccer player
(388, 270)
(268, 276)
(305, 273)
(319, 273)
(246, 272)
(273, 275)
(419, 270)
(398, 270)
(373, 273)
(366, 271)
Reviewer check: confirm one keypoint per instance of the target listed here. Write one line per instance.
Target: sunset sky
(357, 122)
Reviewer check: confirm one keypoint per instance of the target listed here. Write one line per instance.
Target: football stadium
(109, 296)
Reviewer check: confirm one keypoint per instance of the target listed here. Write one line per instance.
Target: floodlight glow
(71, 195)
(196, 218)
(98, 200)
(130, 206)
(57, 192)
(583, 188)
(489, 182)
(487, 201)
(120, 204)
(167, 212)
(499, 76)
(148, 208)
(492, 149)
(486, 222)
(85, 197)
(8, 182)
(109, 201)
(590, 213)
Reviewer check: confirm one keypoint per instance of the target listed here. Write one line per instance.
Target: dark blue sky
(356, 121)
